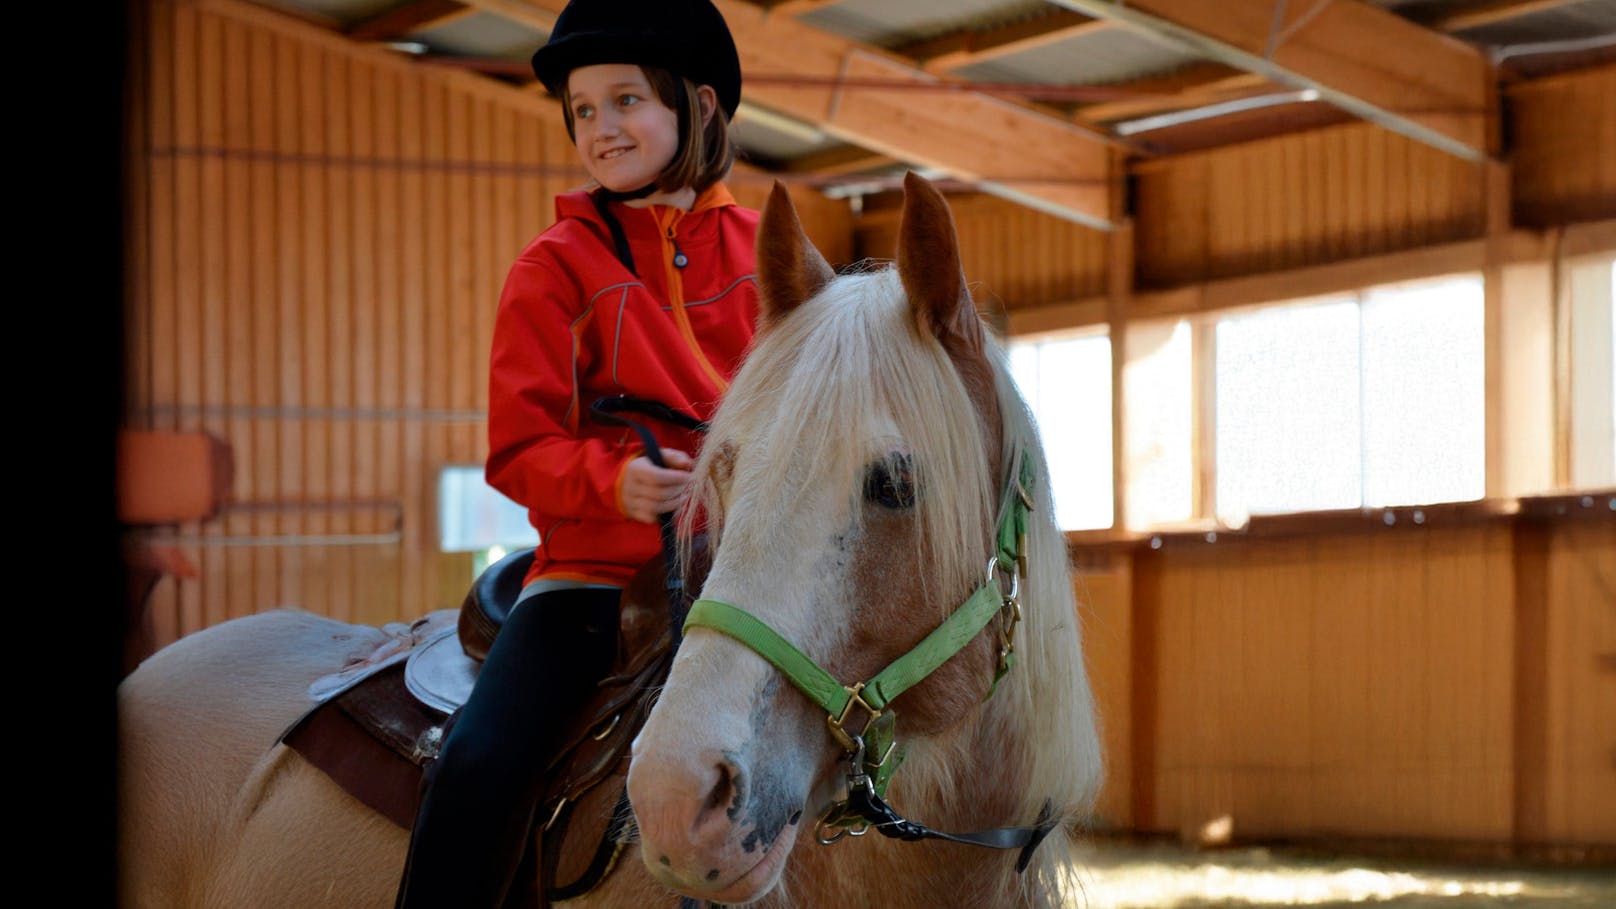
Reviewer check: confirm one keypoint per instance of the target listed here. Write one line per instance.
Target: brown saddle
(374, 738)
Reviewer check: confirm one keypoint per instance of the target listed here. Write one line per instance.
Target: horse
(854, 484)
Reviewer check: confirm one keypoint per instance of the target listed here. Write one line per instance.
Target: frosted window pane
(473, 516)
(1288, 413)
(1160, 424)
(1067, 384)
(1424, 393)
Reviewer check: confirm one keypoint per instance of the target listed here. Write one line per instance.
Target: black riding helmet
(685, 37)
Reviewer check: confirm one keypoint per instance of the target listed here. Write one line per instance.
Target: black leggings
(481, 792)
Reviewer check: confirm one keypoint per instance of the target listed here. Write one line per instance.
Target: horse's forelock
(844, 381)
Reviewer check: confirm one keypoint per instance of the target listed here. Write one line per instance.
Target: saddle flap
(440, 674)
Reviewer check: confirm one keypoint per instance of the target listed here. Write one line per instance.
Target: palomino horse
(856, 482)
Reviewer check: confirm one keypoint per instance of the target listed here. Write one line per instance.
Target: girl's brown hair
(706, 155)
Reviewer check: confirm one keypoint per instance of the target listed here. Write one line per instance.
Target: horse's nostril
(727, 791)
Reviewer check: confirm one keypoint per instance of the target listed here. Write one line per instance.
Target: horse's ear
(789, 268)
(929, 264)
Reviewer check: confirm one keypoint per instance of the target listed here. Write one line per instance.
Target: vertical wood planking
(237, 304)
(1297, 200)
(137, 215)
(388, 323)
(187, 301)
(313, 351)
(339, 280)
(157, 379)
(264, 441)
(1580, 682)
(444, 135)
(412, 489)
(1564, 152)
(211, 315)
(290, 472)
(370, 563)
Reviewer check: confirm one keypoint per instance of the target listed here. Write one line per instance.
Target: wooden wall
(1563, 146)
(1450, 683)
(318, 236)
(1015, 257)
(1319, 196)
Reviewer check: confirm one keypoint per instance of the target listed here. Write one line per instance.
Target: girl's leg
(481, 792)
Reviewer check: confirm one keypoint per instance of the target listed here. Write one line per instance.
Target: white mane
(839, 383)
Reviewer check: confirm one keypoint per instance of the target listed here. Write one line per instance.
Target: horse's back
(197, 726)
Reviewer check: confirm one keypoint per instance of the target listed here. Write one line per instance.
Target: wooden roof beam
(1010, 150)
(839, 162)
(1460, 16)
(1370, 62)
(1195, 85)
(413, 17)
(961, 49)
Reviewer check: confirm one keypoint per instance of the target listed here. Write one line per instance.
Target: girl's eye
(583, 112)
(627, 100)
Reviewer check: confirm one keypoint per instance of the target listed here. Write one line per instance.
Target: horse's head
(852, 480)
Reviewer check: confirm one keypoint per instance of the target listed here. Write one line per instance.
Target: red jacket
(574, 325)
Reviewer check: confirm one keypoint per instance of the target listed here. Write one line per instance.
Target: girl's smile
(625, 136)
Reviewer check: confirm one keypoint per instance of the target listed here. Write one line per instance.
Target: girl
(643, 286)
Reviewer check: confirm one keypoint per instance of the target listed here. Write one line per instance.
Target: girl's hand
(649, 490)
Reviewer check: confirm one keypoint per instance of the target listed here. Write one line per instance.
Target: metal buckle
(995, 582)
(603, 733)
(556, 813)
(836, 723)
(832, 819)
(1010, 610)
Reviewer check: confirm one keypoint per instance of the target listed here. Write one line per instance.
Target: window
(1288, 410)
(1591, 302)
(474, 517)
(1158, 384)
(1371, 399)
(1066, 382)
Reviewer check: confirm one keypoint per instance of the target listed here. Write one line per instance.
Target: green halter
(876, 743)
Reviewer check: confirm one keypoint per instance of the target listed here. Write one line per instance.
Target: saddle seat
(377, 727)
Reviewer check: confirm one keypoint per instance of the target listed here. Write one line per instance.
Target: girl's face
(625, 136)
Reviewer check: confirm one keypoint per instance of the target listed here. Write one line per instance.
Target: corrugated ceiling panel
(1114, 55)
(890, 23)
(1576, 20)
(346, 12)
(483, 35)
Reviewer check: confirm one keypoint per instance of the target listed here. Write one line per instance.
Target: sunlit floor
(1159, 875)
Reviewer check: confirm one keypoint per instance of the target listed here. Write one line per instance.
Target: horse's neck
(971, 782)
(894, 874)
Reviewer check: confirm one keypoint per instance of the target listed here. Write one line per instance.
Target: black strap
(610, 410)
(619, 239)
(863, 802)
(604, 858)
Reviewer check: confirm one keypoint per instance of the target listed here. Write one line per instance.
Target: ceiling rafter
(839, 162)
(396, 23)
(1460, 16)
(1193, 86)
(961, 49)
(1053, 164)
(1359, 57)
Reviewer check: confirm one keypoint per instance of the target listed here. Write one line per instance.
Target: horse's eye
(890, 483)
